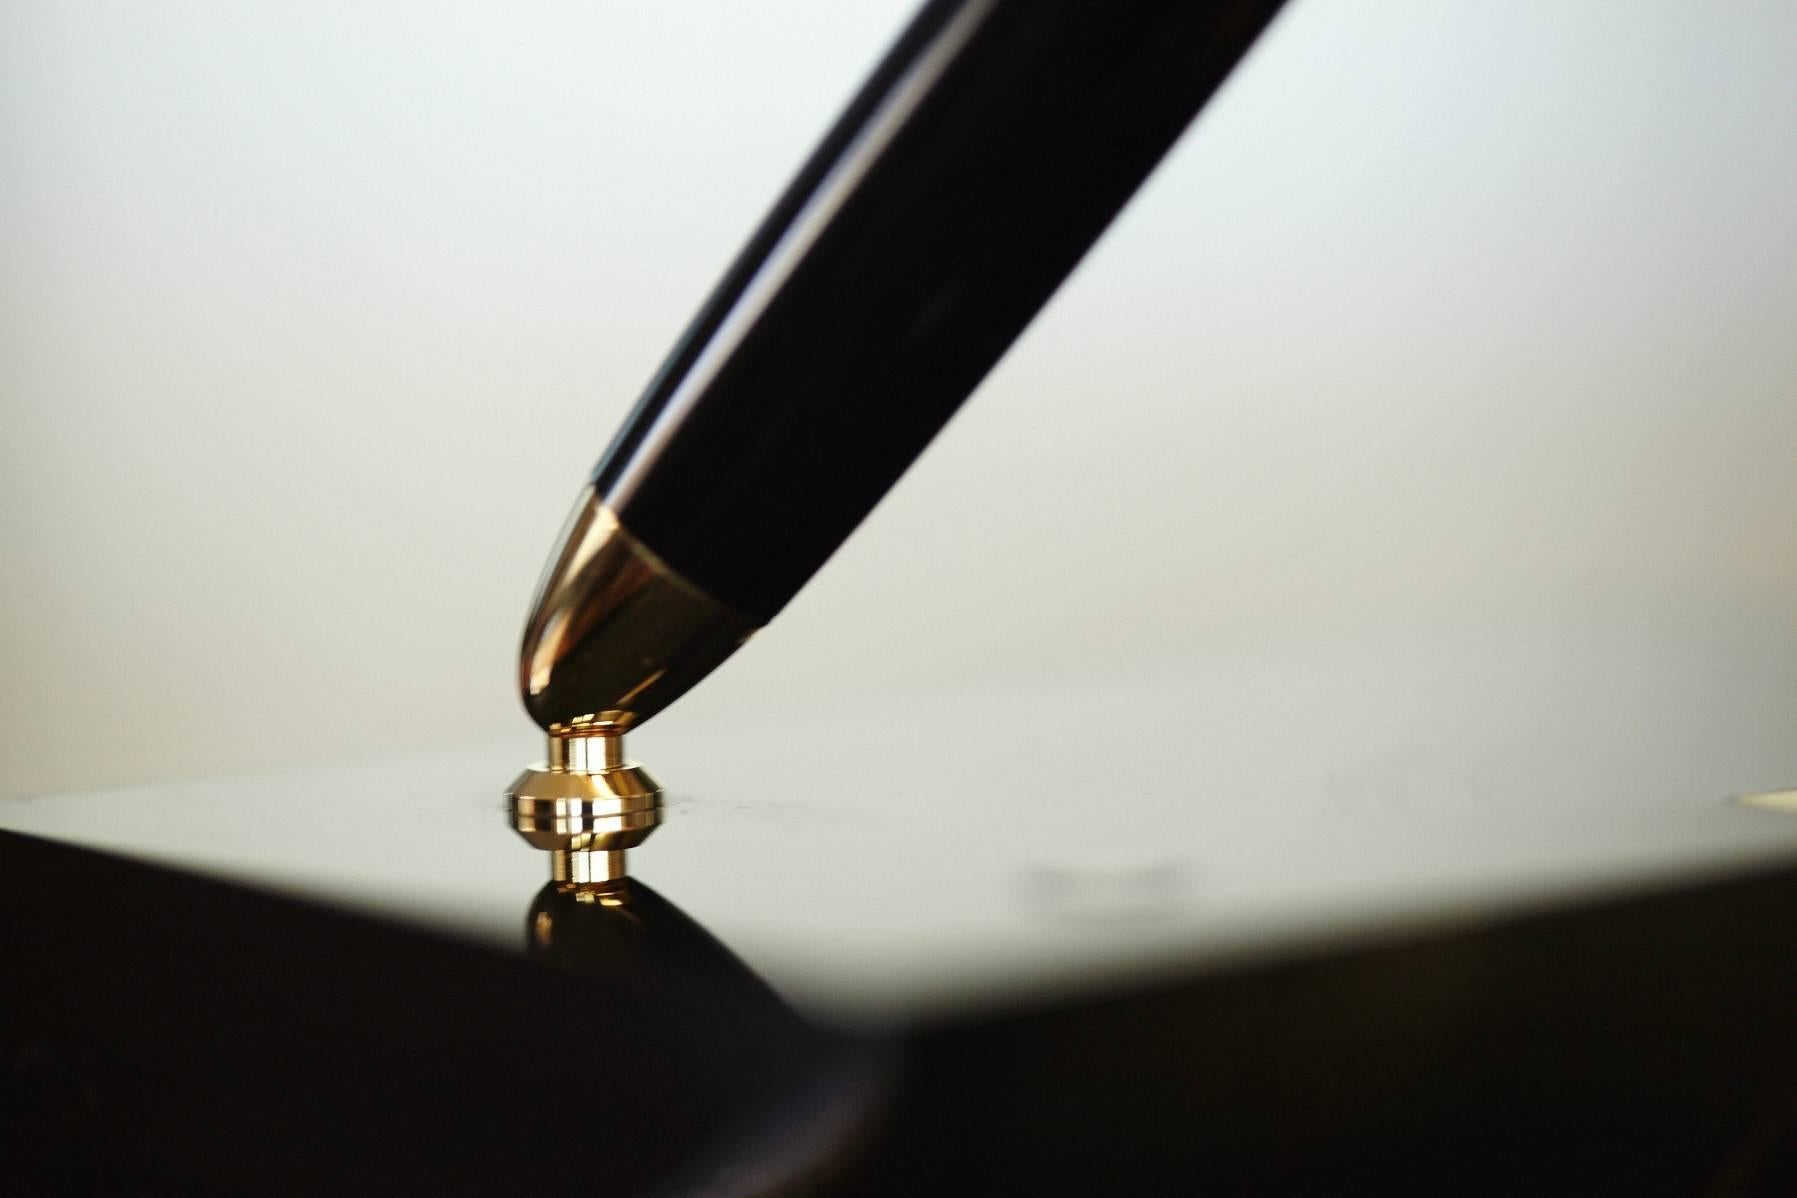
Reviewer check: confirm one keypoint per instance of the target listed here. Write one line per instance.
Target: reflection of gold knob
(586, 805)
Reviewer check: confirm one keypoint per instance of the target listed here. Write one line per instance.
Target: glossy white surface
(914, 849)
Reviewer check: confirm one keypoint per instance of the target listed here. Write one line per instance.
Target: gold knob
(586, 805)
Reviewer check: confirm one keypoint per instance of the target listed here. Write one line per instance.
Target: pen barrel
(976, 166)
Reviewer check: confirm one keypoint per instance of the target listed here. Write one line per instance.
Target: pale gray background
(1473, 315)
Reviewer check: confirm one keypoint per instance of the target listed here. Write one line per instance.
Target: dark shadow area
(164, 1033)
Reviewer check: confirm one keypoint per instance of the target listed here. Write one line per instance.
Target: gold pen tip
(615, 634)
(585, 805)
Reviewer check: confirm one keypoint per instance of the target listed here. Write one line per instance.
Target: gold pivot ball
(586, 805)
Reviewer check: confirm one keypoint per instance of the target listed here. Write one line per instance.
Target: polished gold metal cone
(615, 633)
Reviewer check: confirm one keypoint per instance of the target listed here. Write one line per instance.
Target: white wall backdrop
(314, 316)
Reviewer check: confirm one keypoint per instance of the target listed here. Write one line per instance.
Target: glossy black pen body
(982, 158)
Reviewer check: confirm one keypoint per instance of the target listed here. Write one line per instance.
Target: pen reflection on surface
(624, 932)
(748, 1096)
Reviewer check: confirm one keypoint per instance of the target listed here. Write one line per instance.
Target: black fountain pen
(968, 176)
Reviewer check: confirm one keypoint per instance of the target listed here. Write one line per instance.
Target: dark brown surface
(1642, 1047)
(165, 1033)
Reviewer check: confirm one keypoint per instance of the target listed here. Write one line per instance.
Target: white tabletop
(915, 852)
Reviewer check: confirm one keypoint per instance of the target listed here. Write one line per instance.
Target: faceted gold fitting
(615, 633)
(585, 805)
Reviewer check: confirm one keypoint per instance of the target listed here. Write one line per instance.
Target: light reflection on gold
(615, 634)
(585, 806)
(1771, 800)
